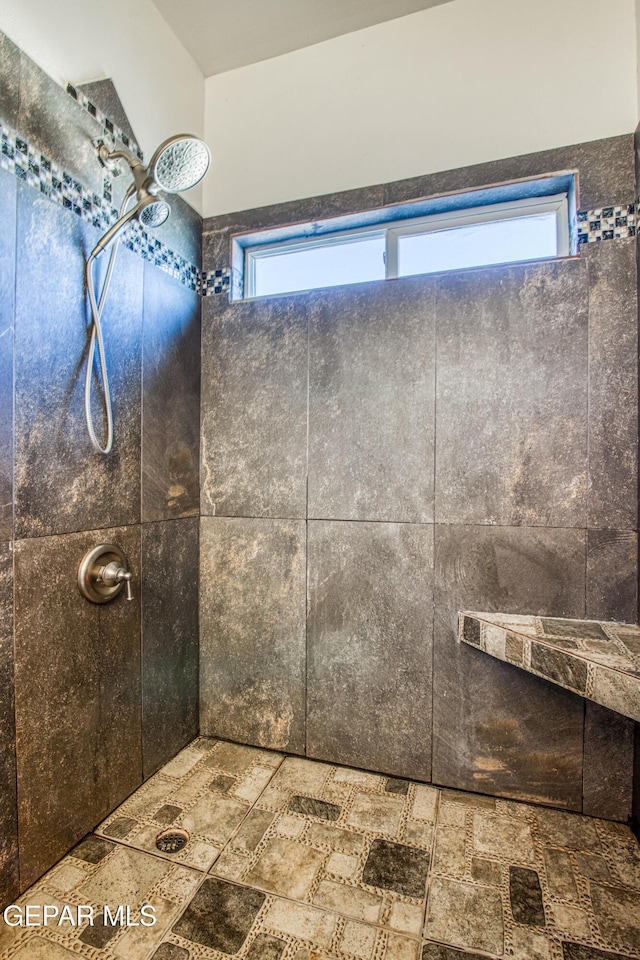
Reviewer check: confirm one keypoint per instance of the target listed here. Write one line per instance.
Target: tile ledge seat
(596, 659)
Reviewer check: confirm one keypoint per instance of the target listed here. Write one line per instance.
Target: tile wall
(103, 696)
(385, 454)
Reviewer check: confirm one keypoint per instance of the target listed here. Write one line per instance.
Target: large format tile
(252, 631)
(61, 484)
(8, 805)
(371, 402)
(8, 188)
(612, 575)
(254, 407)
(608, 763)
(53, 122)
(9, 81)
(613, 384)
(605, 168)
(171, 398)
(511, 431)
(369, 645)
(169, 639)
(76, 759)
(497, 729)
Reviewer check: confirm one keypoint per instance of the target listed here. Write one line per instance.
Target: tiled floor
(294, 859)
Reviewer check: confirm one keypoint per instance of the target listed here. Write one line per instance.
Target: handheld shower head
(179, 163)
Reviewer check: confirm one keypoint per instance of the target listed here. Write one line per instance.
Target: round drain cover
(172, 839)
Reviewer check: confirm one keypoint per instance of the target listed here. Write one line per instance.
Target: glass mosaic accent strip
(216, 281)
(34, 168)
(607, 223)
(109, 127)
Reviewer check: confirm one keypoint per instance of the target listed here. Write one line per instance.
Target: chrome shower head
(154, 213)
(179, 163)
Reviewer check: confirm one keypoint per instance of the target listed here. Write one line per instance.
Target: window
(527, 229)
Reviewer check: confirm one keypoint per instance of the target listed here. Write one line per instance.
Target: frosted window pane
(326, 265)
(498, 241)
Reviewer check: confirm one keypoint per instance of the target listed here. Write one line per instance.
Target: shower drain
(172, 839)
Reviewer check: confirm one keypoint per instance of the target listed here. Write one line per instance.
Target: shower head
(179, 163)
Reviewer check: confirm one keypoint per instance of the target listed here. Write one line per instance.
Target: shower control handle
(103, 572)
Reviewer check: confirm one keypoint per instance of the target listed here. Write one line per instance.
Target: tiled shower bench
(597, 660)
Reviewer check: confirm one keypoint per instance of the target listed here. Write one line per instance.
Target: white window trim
(393, 230)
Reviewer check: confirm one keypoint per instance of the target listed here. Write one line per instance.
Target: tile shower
(359, 465)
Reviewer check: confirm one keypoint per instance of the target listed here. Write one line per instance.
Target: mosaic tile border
(109, 127)
(216, 281)
(597, 660)
(37, 170)
(607, 223)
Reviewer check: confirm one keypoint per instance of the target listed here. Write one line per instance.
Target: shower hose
(96, 336)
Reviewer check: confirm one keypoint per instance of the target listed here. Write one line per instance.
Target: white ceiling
(224, 34)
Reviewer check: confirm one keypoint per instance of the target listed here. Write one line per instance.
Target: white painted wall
(462, 83)
(160, 85)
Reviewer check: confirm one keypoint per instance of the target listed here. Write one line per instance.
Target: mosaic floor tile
(208, 789)
(405, 871)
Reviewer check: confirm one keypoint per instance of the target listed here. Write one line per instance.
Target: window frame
(394, 230)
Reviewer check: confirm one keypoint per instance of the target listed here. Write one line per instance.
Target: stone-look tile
(465, 915)
(618, 914)
(61, 484)
(9, 81)
(369, 646)
(605, 168)
(76, 760)
(287, 868)
(170, 397)
(8, 188)
(497, 729)
(613, 385)
(52, 120)
(394, 866)
(8, 803)
(371, 402)
(252, 631)
(254, 407)
(220, 916)
(608, 763)
(218, 230)
(525, 894)
(612, 575)
(437, 951)
(511, 426)
(169, 639)
(570, 673)
(576, 951)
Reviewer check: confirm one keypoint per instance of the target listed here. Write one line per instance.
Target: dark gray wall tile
(55, 123)
(169, 639)
(254, 407)
(511, 401)
(369, 646)
(218, 230)
(8, 186)
(171, 398)
(182, 232)
(605, 173)
(608, 763)
(9, 81)
(635, 806)
(61, 484)
(77, 677)
(371, 401)
(8, 804)
(613, 384)
(252, 631)
(612, 575)
(497, 729)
